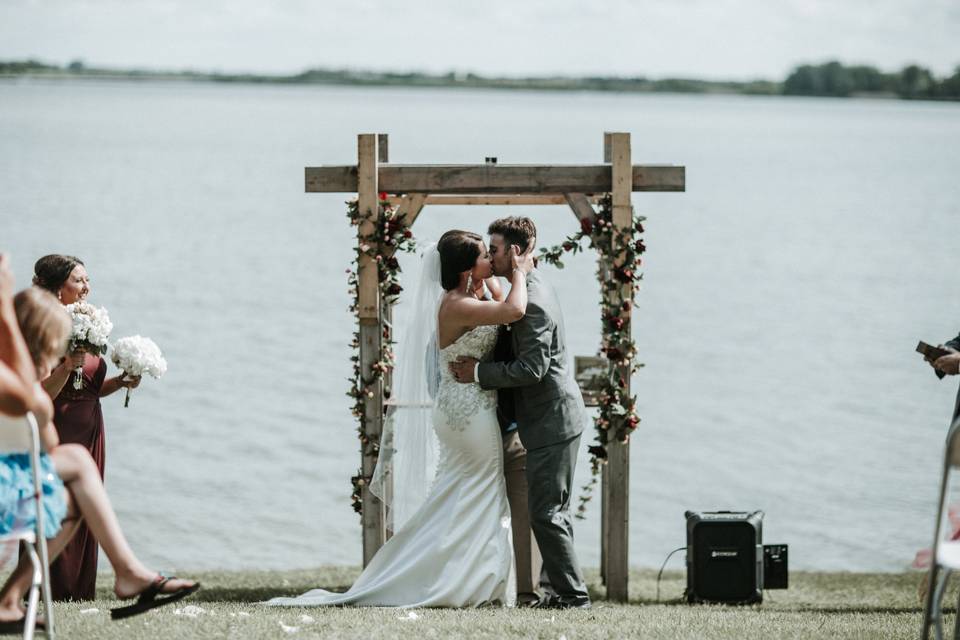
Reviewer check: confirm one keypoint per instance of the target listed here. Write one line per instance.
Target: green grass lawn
(817, 605)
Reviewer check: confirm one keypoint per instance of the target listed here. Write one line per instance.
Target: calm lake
(783, 296)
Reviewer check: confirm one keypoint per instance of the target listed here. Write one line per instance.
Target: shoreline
(675, 86)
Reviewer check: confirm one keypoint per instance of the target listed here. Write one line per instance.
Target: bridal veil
(408, 446)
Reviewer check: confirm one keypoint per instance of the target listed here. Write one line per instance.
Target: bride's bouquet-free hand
(91, 329)
(137, 355)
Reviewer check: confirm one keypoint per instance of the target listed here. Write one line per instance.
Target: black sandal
(15, 627)
(153, 597)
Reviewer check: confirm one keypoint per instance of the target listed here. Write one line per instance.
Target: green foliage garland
(618, 417)
(391, 234)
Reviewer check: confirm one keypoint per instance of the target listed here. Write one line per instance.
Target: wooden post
(617, 476)
(370, 338)
(386, 323)
(604, 481)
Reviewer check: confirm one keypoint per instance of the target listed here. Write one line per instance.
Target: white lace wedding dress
(456, 550)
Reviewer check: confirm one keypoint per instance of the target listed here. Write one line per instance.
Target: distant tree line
(829, 79)
(836, 80)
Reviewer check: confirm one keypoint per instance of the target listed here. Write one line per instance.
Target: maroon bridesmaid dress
(79, 419)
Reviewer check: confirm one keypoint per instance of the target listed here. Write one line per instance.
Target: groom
(549, 412)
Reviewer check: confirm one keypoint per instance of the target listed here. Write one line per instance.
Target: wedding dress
(456, 549)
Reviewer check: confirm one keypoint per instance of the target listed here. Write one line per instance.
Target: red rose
(639, 246)
(383, 195)
(408, 234)
(639, 227)
(585, 225)
(626, 305)
(567, 246)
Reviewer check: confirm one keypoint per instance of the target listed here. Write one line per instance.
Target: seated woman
(45, 327)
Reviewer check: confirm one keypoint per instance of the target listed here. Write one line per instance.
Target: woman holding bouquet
(78, 418)
(72, 487)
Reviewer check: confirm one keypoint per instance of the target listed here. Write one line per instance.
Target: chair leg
(938, 604)
(30, 619)
(46, 588)
(928, 600)
(956, 622)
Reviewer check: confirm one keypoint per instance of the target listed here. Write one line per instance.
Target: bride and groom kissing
(477, 370)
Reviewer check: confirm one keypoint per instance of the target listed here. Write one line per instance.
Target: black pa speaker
(725, 557)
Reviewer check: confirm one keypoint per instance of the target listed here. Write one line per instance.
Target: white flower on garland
(137, 355)
(90, 331)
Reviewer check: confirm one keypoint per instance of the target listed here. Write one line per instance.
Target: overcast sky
(735, 39)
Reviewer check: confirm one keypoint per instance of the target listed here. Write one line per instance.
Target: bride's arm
(495, 289)
(471, 312)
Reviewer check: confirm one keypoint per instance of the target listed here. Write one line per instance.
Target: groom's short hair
(515, 230)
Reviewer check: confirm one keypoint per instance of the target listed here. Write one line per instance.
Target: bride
(443, 461)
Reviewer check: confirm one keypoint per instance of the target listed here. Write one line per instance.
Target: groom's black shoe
(554, 601)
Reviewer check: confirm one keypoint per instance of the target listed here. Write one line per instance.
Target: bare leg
(80, 474)
(17, 584)
(86, 496)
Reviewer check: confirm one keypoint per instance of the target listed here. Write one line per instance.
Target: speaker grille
(724, 557)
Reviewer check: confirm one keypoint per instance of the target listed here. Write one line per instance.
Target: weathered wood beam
(617, 476)
(370, 318)
(519, 199)
(495, 178)
(411, 207)
(581, 206)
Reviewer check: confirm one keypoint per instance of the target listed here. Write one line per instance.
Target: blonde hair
(44, 323)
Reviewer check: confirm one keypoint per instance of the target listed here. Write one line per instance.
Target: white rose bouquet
(91, 329)
(137, 355)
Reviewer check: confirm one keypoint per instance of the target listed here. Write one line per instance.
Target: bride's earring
(469, 282)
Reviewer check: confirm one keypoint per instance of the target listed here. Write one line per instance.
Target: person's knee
(73, 458)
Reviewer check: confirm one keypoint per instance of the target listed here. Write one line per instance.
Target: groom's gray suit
(550, 418)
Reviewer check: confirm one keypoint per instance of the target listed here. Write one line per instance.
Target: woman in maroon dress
(78, 418)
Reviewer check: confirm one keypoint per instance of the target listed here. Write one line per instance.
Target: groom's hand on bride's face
(462, 369)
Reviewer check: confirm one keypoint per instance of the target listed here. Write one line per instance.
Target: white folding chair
(21, 435)
(945, 554)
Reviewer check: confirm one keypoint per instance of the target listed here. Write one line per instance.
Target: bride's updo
(459, 251)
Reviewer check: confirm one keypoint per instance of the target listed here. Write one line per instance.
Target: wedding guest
(16, 397)
(78, 418)
(950, 365)
(45, 327)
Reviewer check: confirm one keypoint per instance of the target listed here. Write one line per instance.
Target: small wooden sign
(591, 372)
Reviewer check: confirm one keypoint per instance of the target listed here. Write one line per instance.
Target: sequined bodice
(460, 401)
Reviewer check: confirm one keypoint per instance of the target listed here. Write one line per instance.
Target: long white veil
(408, 446)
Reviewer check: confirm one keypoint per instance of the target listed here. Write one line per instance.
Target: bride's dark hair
(459, 251)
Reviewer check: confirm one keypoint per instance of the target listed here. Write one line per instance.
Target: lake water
(784, 294)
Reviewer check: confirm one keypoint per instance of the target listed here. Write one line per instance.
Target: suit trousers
(550, 483)
(525, 552)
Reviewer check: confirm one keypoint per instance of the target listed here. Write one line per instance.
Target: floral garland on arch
(617, 406)
(391, 234)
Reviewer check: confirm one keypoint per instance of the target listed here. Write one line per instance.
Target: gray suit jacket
(549, 406)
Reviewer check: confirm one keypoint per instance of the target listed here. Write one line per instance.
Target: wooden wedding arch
(410, 188)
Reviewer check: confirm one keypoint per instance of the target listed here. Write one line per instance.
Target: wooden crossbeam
(514, 200)
(582, 206)
(495, 178)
